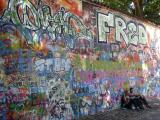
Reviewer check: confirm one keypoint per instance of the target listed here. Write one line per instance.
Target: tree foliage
(146, 9)
(152, 11)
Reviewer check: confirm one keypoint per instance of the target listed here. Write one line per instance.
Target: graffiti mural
(64, 59)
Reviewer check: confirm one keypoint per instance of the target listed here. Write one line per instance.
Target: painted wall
(63, 59)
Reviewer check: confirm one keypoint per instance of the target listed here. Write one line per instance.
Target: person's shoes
(148, 106)
(137, 109)
(141, 107)
(123, 108)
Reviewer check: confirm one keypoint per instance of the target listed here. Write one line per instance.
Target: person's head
(131, 90)
(126, 92)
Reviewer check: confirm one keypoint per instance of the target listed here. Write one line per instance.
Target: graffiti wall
(64, 59)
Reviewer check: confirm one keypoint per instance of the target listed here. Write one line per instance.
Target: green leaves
(148, 10)
(121, 5)
(152, 11)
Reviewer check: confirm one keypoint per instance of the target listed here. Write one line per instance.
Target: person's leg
(122, 102)
(138, 103)
(129, 104)
(144, 101)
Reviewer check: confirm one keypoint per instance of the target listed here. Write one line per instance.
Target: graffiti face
(63, 59)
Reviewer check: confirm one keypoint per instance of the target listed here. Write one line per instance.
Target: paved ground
(119, 114)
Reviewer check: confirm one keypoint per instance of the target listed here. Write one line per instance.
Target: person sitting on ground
(127, 102)
(141, 100)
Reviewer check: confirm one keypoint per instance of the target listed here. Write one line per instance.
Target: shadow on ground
(119, 114)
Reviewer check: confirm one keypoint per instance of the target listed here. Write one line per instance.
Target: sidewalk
(119, 114)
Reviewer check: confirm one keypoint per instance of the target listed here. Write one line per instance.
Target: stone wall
(63, 59)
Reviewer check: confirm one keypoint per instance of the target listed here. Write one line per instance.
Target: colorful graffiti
(132, 32)
(64, 59)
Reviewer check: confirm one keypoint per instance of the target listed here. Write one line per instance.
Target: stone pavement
(119, 114)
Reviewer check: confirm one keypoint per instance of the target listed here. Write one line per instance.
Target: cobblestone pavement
(119, 114)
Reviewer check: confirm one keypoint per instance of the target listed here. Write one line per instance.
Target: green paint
(86, 64)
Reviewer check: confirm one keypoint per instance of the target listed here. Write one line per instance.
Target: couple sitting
(130, 99)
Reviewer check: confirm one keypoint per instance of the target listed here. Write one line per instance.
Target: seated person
(127, 102)
(139, 98)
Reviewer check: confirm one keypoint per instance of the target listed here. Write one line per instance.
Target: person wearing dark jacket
(140, 98)
(128, 102)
